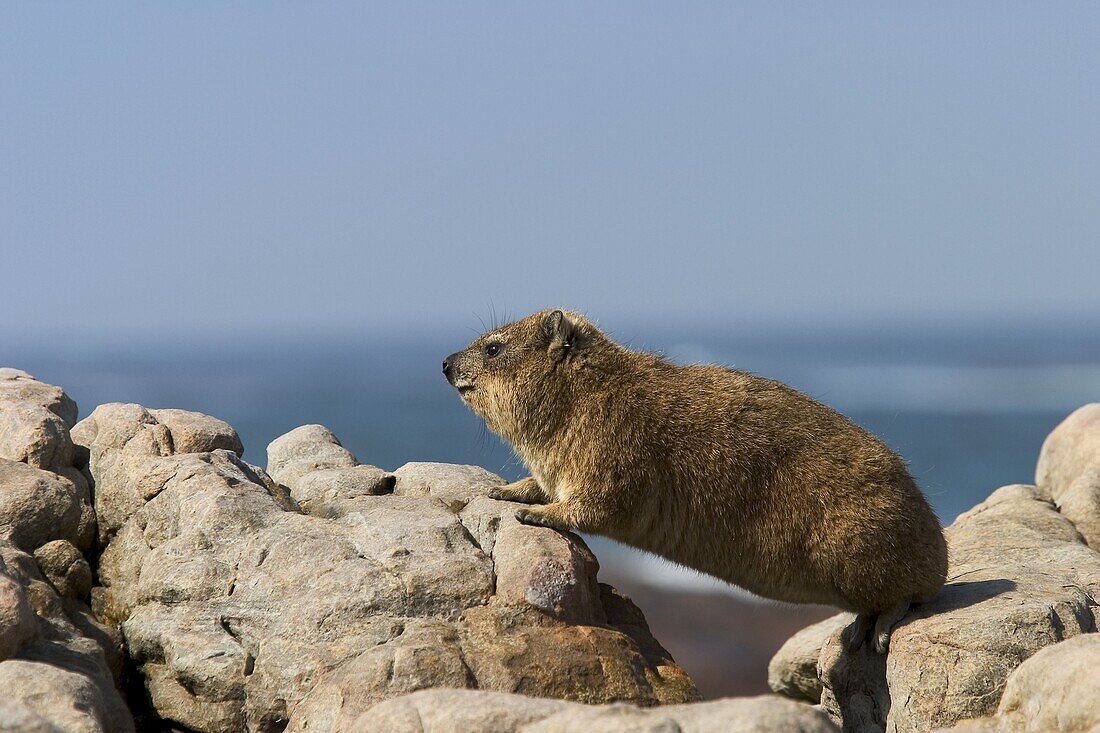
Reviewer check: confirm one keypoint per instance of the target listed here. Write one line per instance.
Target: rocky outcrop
(34, 421)
(1022, 578)
(465, 711)
(45, 497)
(322, 594)
(58, 665)
(299, 597)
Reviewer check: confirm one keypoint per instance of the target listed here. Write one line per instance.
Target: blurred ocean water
(968, 411)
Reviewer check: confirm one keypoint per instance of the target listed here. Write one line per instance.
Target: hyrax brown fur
(740, 477)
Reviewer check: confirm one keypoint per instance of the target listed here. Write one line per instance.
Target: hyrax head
(504, 371)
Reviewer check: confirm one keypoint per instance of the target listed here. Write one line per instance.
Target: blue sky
(207, 168)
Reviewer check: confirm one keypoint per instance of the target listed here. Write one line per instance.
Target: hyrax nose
(449, 366)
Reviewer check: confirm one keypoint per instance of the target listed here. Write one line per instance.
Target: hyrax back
(734, 475)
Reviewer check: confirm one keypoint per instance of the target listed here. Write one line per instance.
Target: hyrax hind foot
(876, 627)
(885, 623)
(858, 631)
(525, 491)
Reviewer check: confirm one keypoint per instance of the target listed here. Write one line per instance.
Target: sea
(968, 408)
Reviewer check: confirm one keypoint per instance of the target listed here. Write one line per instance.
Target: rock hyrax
(740, 477)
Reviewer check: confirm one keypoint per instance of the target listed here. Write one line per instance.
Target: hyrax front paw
(524, 491)
(540, 519)
(506, 493)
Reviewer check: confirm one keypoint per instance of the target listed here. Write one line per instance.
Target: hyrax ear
(562, 332)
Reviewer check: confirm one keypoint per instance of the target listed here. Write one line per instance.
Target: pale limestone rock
(1069, 470)
(242, 613)
(16, 386)
(65, 669)
(453, 485)
(15, 717)
(323, 491)
(34, 421)
(468, 711)
(1058, 689)
(18, 624)
(33, 435)
(66, 569)
(1020, 579)
(553, 572)
(793, 670)
(37, 506)
(58, 665)
(194, 432)
(303, 450)
(62, 694)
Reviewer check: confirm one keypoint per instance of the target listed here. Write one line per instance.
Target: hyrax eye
(493, 350)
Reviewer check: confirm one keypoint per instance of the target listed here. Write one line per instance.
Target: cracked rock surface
(1058, 689)
(298, 597)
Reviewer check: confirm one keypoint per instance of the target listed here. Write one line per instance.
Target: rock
(452, 485)
(37, 506)
(763, 714)
(303, 450)
(16, 386)
(455, 711)
(132, 438)
(65, 568)
(34, 421)
(16, 717)
(793, 670)
(193, 432)
(1058, 689)
(550, 571)
(1021, 579)
(320, 492)
(58, 665)
(278, 492)
(469, 711)
(18, 624)
(241, 613)
(61, 696)
(33, 435)
(1069, 470)
(63, 673)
